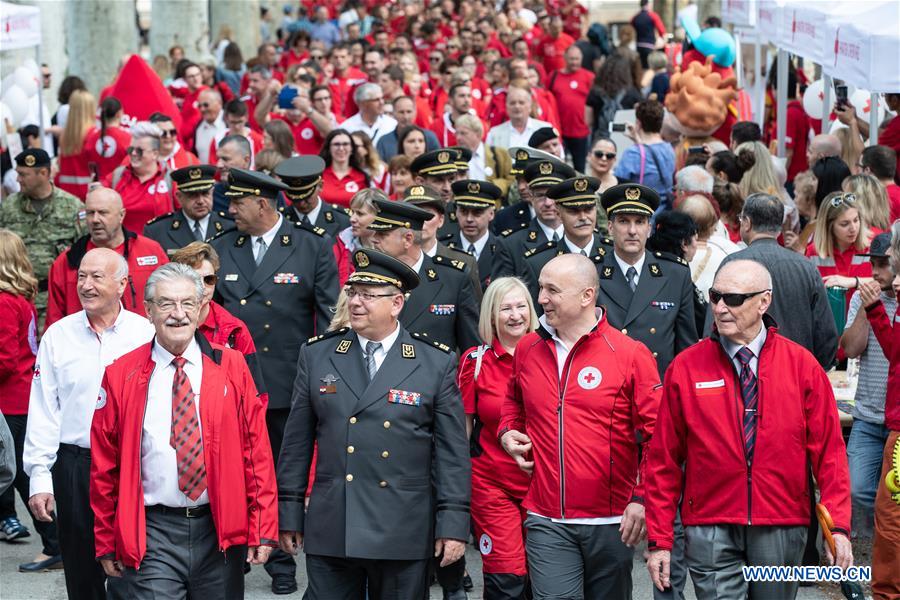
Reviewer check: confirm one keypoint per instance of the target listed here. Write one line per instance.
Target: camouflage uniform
(46, 234)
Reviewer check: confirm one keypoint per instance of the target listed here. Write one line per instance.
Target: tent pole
(873, 119)
(781, 130)
(40, 93)
(827, 86)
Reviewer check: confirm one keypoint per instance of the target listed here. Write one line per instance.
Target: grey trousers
(577, 562)
(183, 561)
(677, 571)
(716, 553)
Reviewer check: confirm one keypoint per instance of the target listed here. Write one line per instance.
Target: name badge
(231, 277)
(404, 397)
(442, 309)
(705, 385)
(285, 278)
(147, 261)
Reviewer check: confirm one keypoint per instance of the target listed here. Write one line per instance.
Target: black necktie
(630, 274)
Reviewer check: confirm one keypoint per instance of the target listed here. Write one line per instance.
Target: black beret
(243, 183)
(393, 215)
(377, 268)
(33, 157)
(196, 179)
(544, 134)
(476, 194)
(632, 198)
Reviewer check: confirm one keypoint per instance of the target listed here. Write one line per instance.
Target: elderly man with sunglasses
(743, 413)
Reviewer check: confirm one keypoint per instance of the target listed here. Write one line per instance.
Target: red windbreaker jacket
(240, 474)
(888, 335)
(582, 425)
(700, 427)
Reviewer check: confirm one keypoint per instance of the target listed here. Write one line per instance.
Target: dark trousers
(333, 578)
(576, 562)
(280, 562)
(85, 579)
(450, 577)
(183, 561)
(47, 531)
(578, 148)
(506, 586)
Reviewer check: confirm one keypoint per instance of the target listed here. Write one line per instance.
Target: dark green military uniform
(332, 218)
(303, 177)
(477, 195)
(173, 230)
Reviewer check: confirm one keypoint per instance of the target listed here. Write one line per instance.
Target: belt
(190, 512)
(73, 449)
(42, 285)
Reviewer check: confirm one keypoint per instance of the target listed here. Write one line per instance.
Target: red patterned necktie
(185, 436)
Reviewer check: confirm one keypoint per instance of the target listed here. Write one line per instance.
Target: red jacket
(888, 335)
(74, 175)
(18, 347)
(699, 426)
(142, 201)
(583, 432)
(240, 474)
(142, 254)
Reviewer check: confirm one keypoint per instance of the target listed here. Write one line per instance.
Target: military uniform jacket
(468, 260)
(332, 218)
(443, 306)
(485, 261)
(515, 216)
(660, 312)
(284, 301)
(173, 230)
(393, 470)
(538, 256)
(509, 261)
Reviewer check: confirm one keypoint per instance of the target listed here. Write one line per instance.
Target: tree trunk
(100, 35)
(180, 22)
(242, 16)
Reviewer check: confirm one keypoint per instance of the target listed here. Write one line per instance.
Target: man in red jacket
(183, 491)
(743, 414)
(581, 389)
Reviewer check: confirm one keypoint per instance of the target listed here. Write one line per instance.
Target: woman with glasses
(343, 175)
(74, 172)
(602, 161)
(498, 485)
(371, 162)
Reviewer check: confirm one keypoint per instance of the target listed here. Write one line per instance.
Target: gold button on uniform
(383, 484)
(387, 424)
(243, 301)
(266, 326)
(654, 355)
(349, 477)
(385, 454)
(265, 349)
(268, 303)
(350, 449)
(653, 330)
(352, 420)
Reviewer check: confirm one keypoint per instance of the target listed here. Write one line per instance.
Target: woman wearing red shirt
(358, 235)
(18, 347)
(839, 240)
(105, 148)
(498, 485)
(74, 176)
(343, 175)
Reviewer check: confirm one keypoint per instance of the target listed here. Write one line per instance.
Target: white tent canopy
(864, 50)
(20, 26)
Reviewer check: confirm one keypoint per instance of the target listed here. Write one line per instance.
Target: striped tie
(750, 394)
(185, 436)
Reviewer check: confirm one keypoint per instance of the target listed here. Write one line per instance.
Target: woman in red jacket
(74, 174)
(498, 485)
(106, 147)
(18, 347)
(343, 175)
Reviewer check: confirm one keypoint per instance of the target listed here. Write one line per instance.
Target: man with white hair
(64, 395)
(370, 119)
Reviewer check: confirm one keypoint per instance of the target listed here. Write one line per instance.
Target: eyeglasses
(732, 300)
(321, 98)
(166, 133)
(434, 58)
(210, 279)
(317, 57)
(847, 198)
(340, 144)
(167, 305)
(365, 296)
(139, 152)
(606, 155)
(203, 104)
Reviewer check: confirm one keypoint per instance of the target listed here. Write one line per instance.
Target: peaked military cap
(242, 183)
(463, 156)
(576, 192)
(476, 194)
(547, 172)
(393, 215)
(424, 195)
(301, 174)
(196, 179)
(436, 162)
(33, 157)
(631, 198)
(524, 156)
(377, 268)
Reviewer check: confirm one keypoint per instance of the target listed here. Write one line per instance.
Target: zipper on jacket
(140, 465)
(560, 413)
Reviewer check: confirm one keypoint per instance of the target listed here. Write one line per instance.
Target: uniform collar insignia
(343, 347)
(408, 350)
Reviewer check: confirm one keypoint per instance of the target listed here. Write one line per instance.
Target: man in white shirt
(517, 131)
(213, 122)
(64, 394)
(370, 119)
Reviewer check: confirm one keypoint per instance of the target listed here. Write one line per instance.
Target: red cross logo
(589, 378)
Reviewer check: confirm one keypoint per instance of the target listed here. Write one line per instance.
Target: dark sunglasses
(171, 132)
(210, 279)
(434, 58)
(732, 300)
(134, 150)
(606, 155)
(203, 104)
(317, 57)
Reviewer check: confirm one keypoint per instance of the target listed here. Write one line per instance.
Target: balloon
(862, 102)
(17, 103)
(814, 99)
(26, 80)
(32, 66)
(719, 44)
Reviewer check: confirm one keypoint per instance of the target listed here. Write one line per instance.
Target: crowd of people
(443, 304)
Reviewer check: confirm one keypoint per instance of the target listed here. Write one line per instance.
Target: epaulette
(445, 237)
(606, 241)
(671, 258)
(449, 262)
(341, 209)
(311, 228)
(223, 232)
(505, 232)
(160, 217)
(541, 248)
(422, 338)
(326, 335)
(512, 230)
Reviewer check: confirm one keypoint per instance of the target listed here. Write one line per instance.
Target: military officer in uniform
(46, 218)
(463, 156)
(442, 306)
(438, 169)
(303, 176)
(391, 487)
(475, 203)
(648, 296)
(195, 222)
(281, 280)
(519, 212)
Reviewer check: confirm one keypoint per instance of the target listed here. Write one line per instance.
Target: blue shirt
(326, 32)
(659, 168)
(387, 145)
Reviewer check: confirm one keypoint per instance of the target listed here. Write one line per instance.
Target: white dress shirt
(311, 215)
(575, 248)
(477, 166)
(268, 237)
(383, 125)
(548, 231)
(206, 133)
(204, 224)
(386, 345)
(479, 244)
(637, 267)
(159, 461)
(732, 348)
(506, 136)
(65, 389)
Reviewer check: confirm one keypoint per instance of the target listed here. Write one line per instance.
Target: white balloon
(17, 103)
(26, 80)
(32, 66)
(8, 82)
(814, 99)
(861, 101)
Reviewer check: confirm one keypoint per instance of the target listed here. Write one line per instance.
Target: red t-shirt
(553, 51)
(497, 110)
(847, 263)
(890, 137)
(340, 191)
(797, 138)
(256, 144)
(142, 201)
(190, 117)
(571, 91)
(307, 139)
(893, 192)
(342, 89)
(18, 347)
(108, 153)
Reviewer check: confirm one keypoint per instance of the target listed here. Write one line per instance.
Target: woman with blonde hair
(358, 235)
(498, 485)
(277, 136)
(74, 174)
(872, 201)
(18, 347)
(763, 178)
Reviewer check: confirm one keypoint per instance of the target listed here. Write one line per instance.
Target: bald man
(705, 450)
(212, 123)
(580, 388)
(104, 212)
(65, 391)
(821, 146)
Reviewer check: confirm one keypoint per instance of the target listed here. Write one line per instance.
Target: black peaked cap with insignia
(377, 268)
(522, 156)
(577, 192)
(436, 163)
(394, 215)
(301, 174)
(547, 172)
(463, 156)
(33, 157)
(424, 195)
(196, 179)
(243, 183)
(474, 193)
(542, 135)
(630, 198)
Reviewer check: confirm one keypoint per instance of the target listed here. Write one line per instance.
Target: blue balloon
(719, 44)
